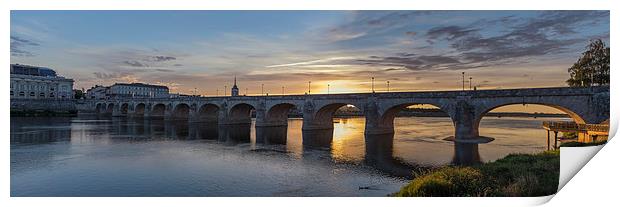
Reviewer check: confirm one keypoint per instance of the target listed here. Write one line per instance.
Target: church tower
(234, 91)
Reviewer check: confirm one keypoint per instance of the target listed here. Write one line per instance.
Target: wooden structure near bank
(586, 132)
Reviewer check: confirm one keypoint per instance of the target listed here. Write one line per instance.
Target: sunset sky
(414, 50)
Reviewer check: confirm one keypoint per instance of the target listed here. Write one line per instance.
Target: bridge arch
(124, 108)
(387, 118)
(241, 113)
(158, 110)
(100, 108)
(325, 114)
(181, 111)
(209, 112)
(571, 113)
(278, 113)
(140, 109)
(109, 108)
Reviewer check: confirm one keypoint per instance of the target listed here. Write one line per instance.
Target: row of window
(32, 94)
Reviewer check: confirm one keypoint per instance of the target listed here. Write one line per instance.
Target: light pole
(328, 89)
(388, 86)
(309, 87)
(225, 89)
(217, 92)
(463, 73)
(262, 89)
(470, 83)
(283, 90)
(246, 91)
(372, 80)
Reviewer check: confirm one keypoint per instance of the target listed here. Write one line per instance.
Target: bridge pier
(374, 123)
(116, 109)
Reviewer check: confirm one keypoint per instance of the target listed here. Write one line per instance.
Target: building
(97, 92)
(234, 91)
(32, 82)
(138, 90)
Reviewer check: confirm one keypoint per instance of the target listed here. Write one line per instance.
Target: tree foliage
(592, 68)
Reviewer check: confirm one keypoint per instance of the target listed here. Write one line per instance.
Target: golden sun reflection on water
(346, 144)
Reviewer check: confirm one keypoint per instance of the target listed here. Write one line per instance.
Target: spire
(235, 80)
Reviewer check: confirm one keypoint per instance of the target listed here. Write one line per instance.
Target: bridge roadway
(585, 105)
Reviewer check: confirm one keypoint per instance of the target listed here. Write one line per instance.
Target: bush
(513, 175)
(447, 181)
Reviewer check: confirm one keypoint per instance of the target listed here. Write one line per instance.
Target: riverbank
(513, 175)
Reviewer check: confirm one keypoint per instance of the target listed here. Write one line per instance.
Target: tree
(78, 94)
(592, 68)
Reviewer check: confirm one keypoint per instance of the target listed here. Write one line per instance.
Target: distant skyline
(414, 50)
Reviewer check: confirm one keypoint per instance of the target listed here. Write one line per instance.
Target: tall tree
(592, 68)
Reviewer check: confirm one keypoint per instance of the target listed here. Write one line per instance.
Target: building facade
(142, 90)
(32, 82)
(97, 92)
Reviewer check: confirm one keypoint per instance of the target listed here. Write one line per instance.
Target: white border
(595, 184)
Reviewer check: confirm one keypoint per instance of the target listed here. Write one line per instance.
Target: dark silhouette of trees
(592, 68)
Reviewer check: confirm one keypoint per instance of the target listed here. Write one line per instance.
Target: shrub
(446, 181)
(513, 175)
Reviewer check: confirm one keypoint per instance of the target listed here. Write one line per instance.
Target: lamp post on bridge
(225, 88)
(470, 83)
(217, 92)
(463, 73)
(388, 86)
(283, 90)
(328, 89)
(372, 84)
(309, 87)
(262, 89)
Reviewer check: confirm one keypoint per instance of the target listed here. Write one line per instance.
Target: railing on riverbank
(574, 127)
(585, 132)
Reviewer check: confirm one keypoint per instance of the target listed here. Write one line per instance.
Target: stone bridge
(466, 108)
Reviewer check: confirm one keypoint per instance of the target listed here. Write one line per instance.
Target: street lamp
(388, 86)
(463, 73)
(217, 92)
(309, 87)
(283, 90)
(327, 89)
(373, 84)
(262, 89)
(470, 83)
(225, 89)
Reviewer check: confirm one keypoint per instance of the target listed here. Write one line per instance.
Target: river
(92, 156)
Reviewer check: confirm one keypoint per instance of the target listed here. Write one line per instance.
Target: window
(41, 94)
(11, 93)
(52, 95)
(21, 93)
(52, 89)
(31, 93)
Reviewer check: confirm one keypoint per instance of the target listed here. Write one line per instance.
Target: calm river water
(89, 156)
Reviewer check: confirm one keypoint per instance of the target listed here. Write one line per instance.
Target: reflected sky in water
(88, 156)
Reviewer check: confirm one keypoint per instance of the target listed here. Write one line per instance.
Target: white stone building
(138, 90)
(97, 92)
(32, 82)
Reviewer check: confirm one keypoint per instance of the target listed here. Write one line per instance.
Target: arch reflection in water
(234, 134)
(318, 138)
(271, 135)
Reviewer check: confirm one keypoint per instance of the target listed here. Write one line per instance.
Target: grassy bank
(513, 175)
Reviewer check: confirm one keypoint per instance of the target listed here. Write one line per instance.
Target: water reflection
(271, 135)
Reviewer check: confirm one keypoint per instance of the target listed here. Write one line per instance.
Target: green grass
(581, 144)
(513, 175)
